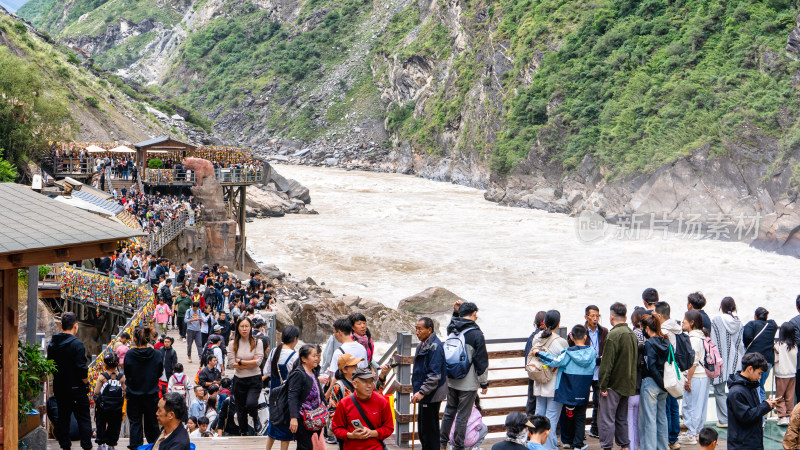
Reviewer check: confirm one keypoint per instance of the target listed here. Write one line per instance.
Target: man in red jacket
(363, 419)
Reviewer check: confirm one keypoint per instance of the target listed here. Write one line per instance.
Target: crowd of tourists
(634, 375)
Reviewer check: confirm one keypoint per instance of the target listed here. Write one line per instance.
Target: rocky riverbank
(749, 194)
(313, 308)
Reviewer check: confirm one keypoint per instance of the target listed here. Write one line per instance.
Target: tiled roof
(157, 140)
(29, 220)
(111, 207)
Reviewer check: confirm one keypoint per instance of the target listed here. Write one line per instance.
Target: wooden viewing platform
(772, 441)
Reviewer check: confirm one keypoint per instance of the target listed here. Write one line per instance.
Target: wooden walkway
(773, 434)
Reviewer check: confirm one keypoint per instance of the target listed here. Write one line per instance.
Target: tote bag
(673, 383)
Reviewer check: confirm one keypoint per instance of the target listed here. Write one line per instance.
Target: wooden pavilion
(161, 147)
(37, 230)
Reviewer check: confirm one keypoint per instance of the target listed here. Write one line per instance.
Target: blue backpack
(455, 354)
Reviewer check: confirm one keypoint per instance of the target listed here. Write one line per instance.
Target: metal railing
(169, 177)
(183, 177)
(156, 241)
(238, 175)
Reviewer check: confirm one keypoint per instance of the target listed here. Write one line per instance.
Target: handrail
(238, 175)
(169, 177)
(143, 315)
(89, 285)
(156, 241)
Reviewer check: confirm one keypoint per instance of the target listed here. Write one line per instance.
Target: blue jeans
(673, 419)
(695, 404)
(546, 406)
(652, 416)
(762, 394)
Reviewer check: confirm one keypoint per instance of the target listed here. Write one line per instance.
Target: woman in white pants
(695, 398)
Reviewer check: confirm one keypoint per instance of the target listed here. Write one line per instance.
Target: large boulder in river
(433, 300)
(298, 191)
(267, 202)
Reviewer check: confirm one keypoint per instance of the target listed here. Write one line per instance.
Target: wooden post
(33, 302)
(402, 402)
(9, 322)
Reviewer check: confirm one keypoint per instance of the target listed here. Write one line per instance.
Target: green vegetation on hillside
(248, 52)
(638, 83)
(31, 111)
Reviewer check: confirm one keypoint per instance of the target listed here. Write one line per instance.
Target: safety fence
(96, 288)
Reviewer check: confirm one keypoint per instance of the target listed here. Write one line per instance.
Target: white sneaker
(688, 440)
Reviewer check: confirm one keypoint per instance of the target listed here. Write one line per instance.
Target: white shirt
(283, 359)
(353, 348)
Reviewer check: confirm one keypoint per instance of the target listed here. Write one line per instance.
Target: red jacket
(377, 411)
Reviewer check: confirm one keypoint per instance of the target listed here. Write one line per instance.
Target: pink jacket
(162, 313)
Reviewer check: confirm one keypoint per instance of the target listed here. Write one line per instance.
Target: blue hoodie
(575, 377)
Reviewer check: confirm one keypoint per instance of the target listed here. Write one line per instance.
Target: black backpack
(208, 352)
(110, 398)
(684, 354)
(278, 402)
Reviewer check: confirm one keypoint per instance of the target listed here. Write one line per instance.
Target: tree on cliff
(31, 114)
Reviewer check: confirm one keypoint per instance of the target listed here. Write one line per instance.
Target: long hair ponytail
(552, 319)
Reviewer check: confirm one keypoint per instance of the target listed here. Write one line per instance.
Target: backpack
(179, 387)
(713, 360)
(534, 366)
(208, 352)
(455, 354)
(278, 404)
(684, 354)
(111, 398)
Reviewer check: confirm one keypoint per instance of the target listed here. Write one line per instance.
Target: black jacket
(166, 293)
(177, 440)
(299, 383)
(143, 367)
(169, 358)
(656, 352)
(209, 375)
(706, 320)
(745, 413)
(765, 342)
(69, 355)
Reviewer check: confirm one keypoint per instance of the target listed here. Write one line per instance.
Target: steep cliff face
(98, 109)
(616, 106)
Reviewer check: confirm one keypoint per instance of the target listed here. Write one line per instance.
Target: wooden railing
(239, 175)
(505, 371)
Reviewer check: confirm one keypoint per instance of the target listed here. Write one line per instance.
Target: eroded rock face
(433, 300)
(793, 41)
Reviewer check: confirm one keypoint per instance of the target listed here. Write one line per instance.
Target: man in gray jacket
(429, 381)
(462, 391)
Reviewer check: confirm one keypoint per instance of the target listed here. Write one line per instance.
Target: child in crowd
(573, 384)
(538, 431)
(785, 371)
(707, 438)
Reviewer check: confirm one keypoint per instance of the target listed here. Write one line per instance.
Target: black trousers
(797, 389)
(74, 401)
(245, 394)
(428, 423)
(595, 406)
(203, 340)
(573, 426)
(303, 436)
(108, 426)
(182, 327)
(142, 417)
(530, 406)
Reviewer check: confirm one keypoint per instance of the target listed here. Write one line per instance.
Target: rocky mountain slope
(621, 107)
(98, 109)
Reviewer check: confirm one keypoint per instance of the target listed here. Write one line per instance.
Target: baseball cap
(217, 328)
(364, 373)
(348, 360)
(226, 290)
